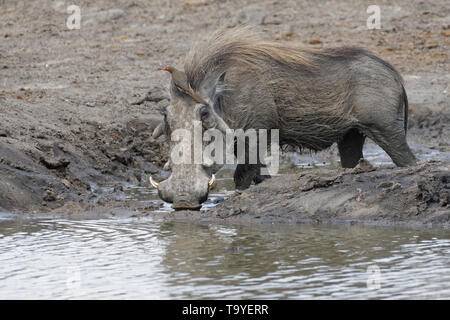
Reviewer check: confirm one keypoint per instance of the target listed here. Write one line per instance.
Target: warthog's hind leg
(351, 148)
(393, 141)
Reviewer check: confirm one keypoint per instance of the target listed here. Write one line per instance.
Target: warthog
(315, 98)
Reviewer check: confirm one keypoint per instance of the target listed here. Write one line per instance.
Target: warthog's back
(313, 96)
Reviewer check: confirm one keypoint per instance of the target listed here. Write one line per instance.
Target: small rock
(272, 20)
(66, 183)
(363, 166)
(252, 15)
(190, 4)
(396, 186)
(285, 35)
(432, 45)
(53, 163)
(445, 33)
(385, 184)
(315, 41)
(444, 198)
(104, 16)
(111, 14)
(49, 195)
(118, 188)
(4, 133)
(157, 94)
(360, 194)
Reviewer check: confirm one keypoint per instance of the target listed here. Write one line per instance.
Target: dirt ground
(77, 107)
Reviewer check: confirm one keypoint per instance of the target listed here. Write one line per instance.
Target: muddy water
(151, 258)
(424, 150)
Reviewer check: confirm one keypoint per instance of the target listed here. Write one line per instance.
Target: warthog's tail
(405, 109)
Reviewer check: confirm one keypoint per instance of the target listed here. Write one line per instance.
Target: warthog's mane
(245, 47)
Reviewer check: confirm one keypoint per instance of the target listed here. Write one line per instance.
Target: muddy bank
(44, 174)
(418, 195)
(414, 197)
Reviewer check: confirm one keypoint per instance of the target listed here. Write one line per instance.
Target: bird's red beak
(165, 69)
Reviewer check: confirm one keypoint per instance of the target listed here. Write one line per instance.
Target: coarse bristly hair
(310, 89)
(243, 46)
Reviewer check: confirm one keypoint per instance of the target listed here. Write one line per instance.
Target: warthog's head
(185, 120)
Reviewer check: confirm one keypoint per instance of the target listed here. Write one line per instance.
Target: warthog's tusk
(154, 183)
(159, 130)
(167, 165)
(212, 182)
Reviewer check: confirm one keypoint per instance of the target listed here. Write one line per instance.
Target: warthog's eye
(204, 112)
(206, 116)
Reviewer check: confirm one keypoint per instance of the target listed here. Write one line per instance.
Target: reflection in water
(151, 258)
(223, 189)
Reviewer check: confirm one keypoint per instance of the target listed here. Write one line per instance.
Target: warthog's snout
(182, 194)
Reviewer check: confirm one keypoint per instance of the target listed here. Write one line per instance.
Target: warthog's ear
(218, 92)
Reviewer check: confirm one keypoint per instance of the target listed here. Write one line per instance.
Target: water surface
(151, 258)
(148, 258)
